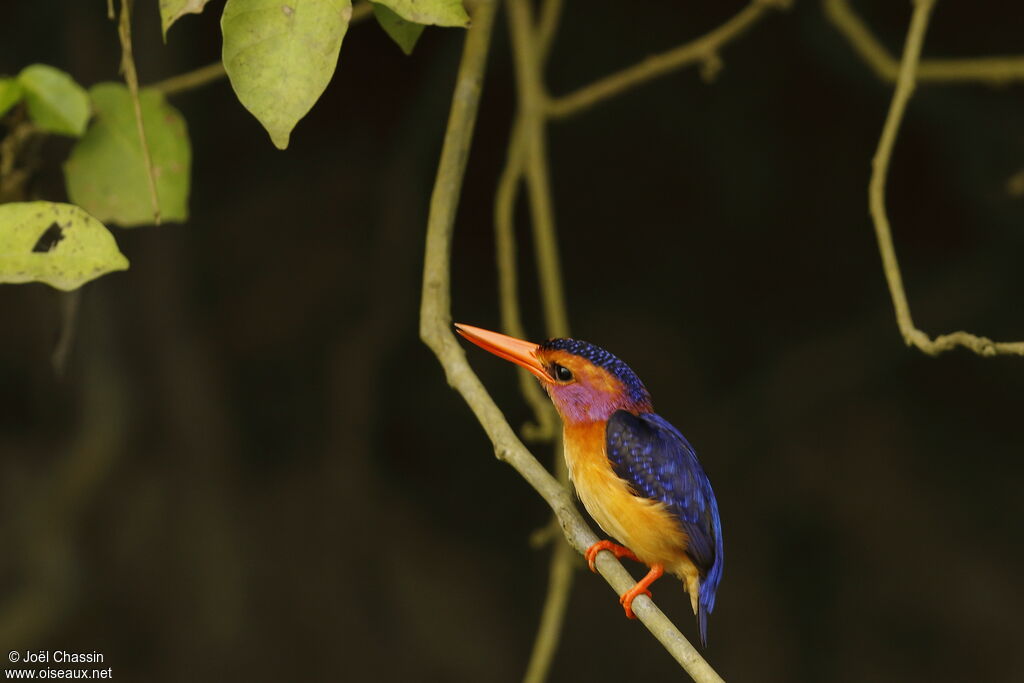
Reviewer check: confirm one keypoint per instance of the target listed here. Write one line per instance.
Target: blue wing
(659, 463)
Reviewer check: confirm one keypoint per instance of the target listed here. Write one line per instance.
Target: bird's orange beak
(520, 352)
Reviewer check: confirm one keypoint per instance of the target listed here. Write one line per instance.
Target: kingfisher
(636, 474)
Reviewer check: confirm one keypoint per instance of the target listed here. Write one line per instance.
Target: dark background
(253, 469)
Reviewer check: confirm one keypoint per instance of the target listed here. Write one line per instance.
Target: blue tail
(709, 585)
(706, 597)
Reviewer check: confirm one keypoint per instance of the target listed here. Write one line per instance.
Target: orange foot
(640, 589)
(620, 551)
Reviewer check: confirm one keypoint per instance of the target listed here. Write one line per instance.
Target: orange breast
(643, 525)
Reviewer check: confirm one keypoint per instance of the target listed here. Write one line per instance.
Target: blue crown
(603, 359)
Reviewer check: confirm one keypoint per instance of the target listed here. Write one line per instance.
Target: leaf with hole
(436, 12)
(172, 10)
(59, 244)
(56, 103)
(10, 94)
(106, 171)
(404, 33)
(280, 56)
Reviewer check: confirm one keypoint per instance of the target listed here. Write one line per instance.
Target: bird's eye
(562, 373)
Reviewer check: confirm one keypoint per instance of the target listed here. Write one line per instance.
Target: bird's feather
(657, 461)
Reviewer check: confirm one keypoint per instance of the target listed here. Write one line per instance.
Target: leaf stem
(215, 71)
(124, 32)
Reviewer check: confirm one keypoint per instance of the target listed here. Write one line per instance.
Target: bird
(635, 473)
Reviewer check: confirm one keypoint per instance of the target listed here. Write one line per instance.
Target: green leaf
(55, 102)
(436, 12)
(172, 10)
(59, 244)
(10, 94)
(280, 55)
(106, 172)
(403, 32)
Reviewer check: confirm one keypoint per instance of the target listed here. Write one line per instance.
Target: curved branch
(991, 70)
(550, 15)
(545, 424)
(876, 201)
(561, 573)
(702, 50)
(531, 116)
(526, 155)
(435, 331)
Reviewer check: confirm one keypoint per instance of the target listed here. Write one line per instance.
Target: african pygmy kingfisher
(636, 474)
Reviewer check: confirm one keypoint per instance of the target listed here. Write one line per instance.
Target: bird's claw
(626, 599)
(619, 551)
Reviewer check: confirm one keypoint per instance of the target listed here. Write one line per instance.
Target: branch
(191, 79)
(550, 15)
(527, 154)
(704, 49)
(545, 424)
(990, 70)
(876, 201)
(435, 331)
(531, 115)
(131, 78)
(561, 573)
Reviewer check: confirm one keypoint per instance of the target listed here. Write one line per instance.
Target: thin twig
(550, 15)
(702, 50)
(191, 79)
(991, 70)
(124, 32)
(876, 201)
(527, 154)
(545, 423)
(214, 72)
(561, 573)
(436, 333)
(541, 536)
(531, 111)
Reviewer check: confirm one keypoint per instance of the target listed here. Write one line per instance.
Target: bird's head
(585, 382)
